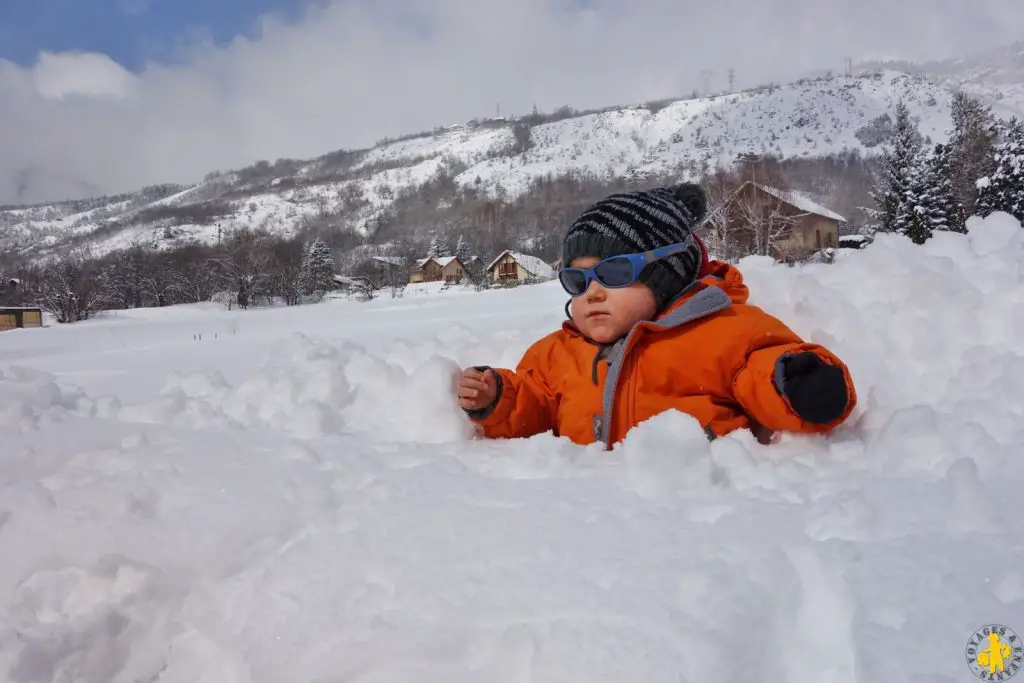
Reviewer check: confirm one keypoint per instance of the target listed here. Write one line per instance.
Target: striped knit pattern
(632, 222)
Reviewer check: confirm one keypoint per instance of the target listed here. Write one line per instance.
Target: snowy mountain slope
(995, 74)
(804, 119)
(192, 495)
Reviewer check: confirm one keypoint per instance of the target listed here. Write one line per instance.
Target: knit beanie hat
(631, 222)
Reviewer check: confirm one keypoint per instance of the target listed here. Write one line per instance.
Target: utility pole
(849, 65)
(732, 80)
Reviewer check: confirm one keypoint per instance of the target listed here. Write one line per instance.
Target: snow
(290, 495)
(804, 119)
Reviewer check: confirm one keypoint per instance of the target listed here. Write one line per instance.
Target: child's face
(603, 314)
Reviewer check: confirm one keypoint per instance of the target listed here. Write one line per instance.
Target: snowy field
(192, 495)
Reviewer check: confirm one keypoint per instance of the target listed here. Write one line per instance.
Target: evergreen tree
(919, 217)
(434, 250)
(894, 195)
(942, 209)
(444, 249)
(462, 251)
(317, 274)
(1003, 189)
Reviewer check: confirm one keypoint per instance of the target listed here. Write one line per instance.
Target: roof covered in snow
(442, 261)
(802, 202)
(531, 264)
(350, 280)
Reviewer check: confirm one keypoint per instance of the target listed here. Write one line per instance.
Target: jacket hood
(719, 274)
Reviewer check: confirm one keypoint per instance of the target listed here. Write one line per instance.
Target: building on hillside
(784, 224)
(388, 263)
(424, 270)
(352, 283)
(453, 270)
(513, 266)
(384, 271)
(14, 317)
(447, 268)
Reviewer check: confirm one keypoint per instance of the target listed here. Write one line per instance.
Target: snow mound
(30, 399)
(274, 505)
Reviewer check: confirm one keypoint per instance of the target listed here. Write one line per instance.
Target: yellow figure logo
(995, 653)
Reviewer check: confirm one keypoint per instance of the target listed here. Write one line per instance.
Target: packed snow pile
(292, 495)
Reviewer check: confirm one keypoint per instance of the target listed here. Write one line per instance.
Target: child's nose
(595, 291)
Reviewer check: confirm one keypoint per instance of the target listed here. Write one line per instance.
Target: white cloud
(81, 73)
(353, 71)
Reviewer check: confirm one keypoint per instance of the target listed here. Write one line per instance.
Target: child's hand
(477, 389)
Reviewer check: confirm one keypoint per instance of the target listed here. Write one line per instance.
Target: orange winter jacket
(710, 354)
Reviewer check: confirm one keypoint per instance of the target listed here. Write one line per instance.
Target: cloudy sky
(101, 96)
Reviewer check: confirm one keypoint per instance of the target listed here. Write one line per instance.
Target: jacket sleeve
(526, 403)
(757, 384)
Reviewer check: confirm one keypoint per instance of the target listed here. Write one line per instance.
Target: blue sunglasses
(615, 272)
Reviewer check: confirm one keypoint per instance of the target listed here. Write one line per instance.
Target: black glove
(816, 390)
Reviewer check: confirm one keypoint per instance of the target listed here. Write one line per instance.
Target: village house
(424, 270)
(447, 268)
(784, 224)
(383, 271)
(511, 266)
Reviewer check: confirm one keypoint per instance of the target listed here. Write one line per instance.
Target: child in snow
(653, 325)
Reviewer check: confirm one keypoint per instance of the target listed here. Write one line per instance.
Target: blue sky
(129, 31)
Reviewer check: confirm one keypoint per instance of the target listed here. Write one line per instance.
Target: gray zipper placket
(709, 300)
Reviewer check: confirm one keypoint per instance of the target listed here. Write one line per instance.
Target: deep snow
(204, 496)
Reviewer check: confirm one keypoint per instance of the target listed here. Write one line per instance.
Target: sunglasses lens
(573, 281)
(615, 272)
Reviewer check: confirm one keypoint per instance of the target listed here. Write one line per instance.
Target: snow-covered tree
(438, 247)
(434, 250)
(894, 195)
(972, 142)
(1003, 188)
(934, 204)
(317, 273)
(462, 251)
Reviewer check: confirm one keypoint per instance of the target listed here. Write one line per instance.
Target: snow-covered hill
(353, 188)
(995, 74)
(195, 495)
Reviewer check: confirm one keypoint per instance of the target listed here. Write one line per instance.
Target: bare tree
(243, 266)
(765, 226)
(71, 289)
(365, 289)
(719, 232)
(123, 277)
(192, 275)
(285, 276)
